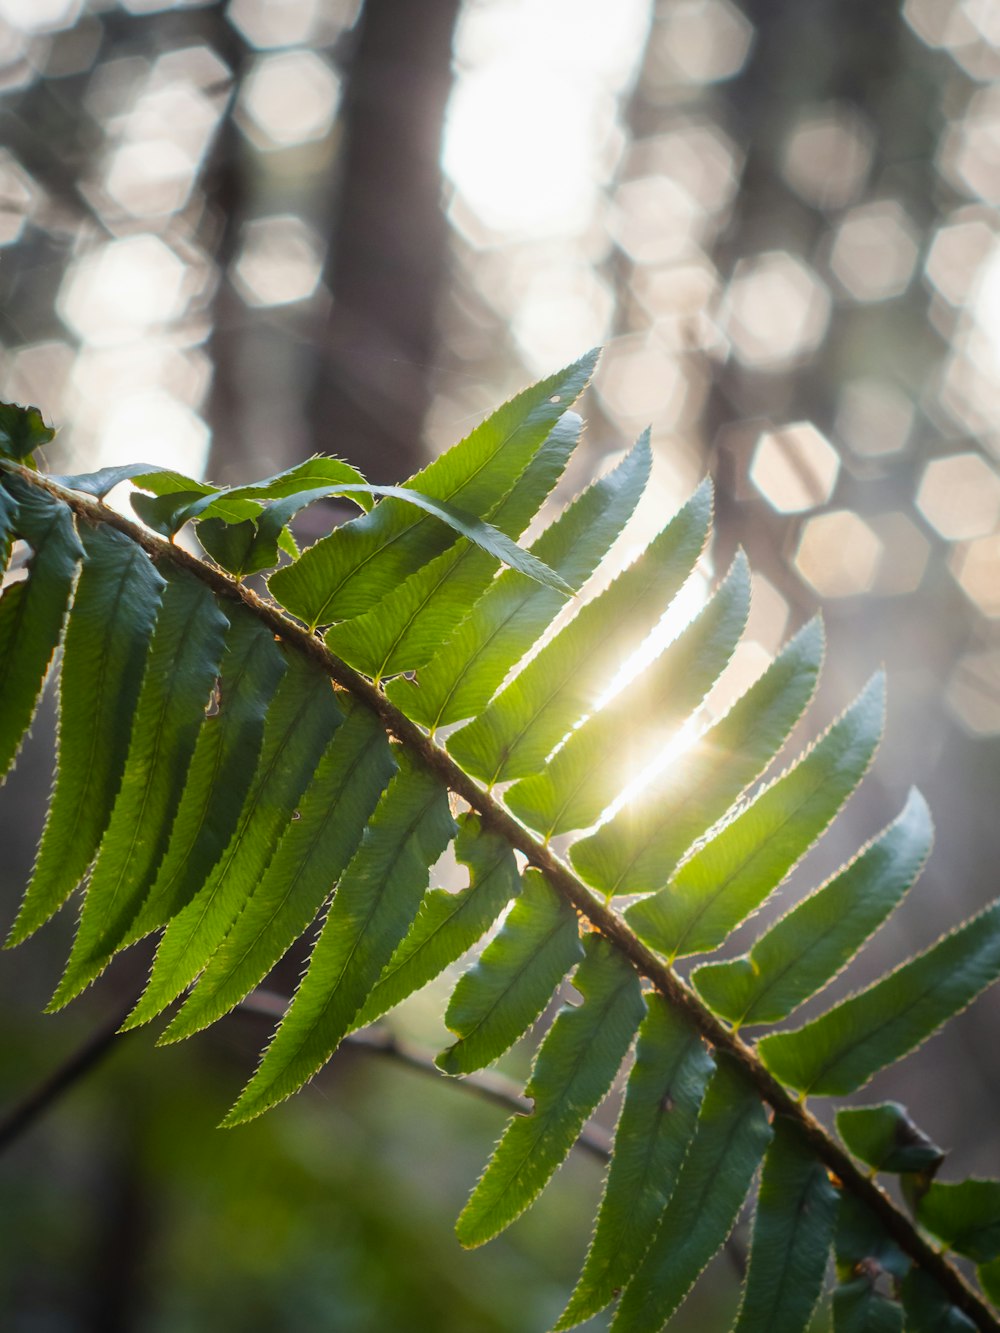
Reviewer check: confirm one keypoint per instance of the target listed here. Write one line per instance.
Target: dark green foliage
(729, 1142)
(572, 1072)
(504, 992)
(227, 777)
(886, 1138)
(796, 1213)
(114, 611)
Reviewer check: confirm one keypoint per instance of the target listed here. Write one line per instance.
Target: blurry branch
(40, 1099)
(376, 1040)
(485, 1084)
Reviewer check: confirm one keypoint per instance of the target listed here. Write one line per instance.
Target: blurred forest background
(237, 233)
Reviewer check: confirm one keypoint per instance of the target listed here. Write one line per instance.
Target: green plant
(226, 759)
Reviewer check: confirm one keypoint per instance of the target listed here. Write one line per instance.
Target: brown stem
(603, 918)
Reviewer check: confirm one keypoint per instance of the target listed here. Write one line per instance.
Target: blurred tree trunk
(388, 244)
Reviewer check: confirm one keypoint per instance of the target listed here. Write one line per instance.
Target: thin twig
(20, 1118)
(375, 1040)
(485, 1083)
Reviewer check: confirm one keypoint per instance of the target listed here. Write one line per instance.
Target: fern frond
(233, 778)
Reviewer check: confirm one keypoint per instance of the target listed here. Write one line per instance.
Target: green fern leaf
(859, 1308)
(348, 572)
(989, 1280)
(792, 1235)
(966, 1214)
(312, 474)
(573, 1071)
(728, 878)
(866, 1256)
(558, 687)
(221, 771)
(840, 1051)
(636, 851)
(260, 550)
(803, 951)
(22, 431)
(462, 677)
(504, 992)
(409, 625)
(729, 1142)
(114, 611)
(886, 1138)
(448, 923)
(183, 660)
(8, 522)
(309, 859)
(32, 610)
(662, 1101)
(578, 783)
(300, 722)
(374, 906)
(927, 1308)
(105, 479)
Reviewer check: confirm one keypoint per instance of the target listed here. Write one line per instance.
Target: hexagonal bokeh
(776, 310)
(968, 155)
(563, 307)
(957, 253)
(873, 418)
(795, 468)
(973, 693)
(838, 554)
(638, 378)
(875, 251)
(121, 288)
(976, 566)
(907, 551)
(289, 98)
(828, 156)
(959, 496)
(262, 23)
(18, 197)
(40, 15)
(655, 220)
(279, 262)
(699, 41)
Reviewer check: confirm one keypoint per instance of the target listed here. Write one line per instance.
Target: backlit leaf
(636, 851)
(448, 923)
(657, 1123)
(729, 1142)
(462, 677)
(508, 987)
(807, 947)
(601, 755)
(573, 1071)
(559, 686)
(375, 903)
(792, 1235)
(32, 610)
(114, 610)
(181, 667)
(344, 574)
(738, 867)
(840, 1051)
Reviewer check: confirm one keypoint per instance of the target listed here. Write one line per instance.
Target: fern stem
(600, 916)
